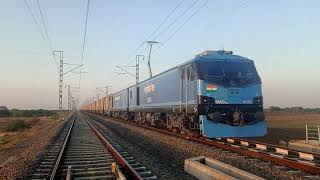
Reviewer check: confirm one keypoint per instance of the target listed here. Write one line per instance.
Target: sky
(281, 36)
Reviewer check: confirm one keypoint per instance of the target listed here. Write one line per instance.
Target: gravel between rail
(166, 154)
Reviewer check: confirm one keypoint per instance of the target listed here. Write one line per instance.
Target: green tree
(4, 112)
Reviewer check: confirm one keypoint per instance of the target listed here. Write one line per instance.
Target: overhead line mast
(69, 97)
(149, 65)
(137, 67)
(60, 77)
(106, 91)
(62, 73)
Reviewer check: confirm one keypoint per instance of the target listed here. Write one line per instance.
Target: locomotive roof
(209, 54)
(216, 56)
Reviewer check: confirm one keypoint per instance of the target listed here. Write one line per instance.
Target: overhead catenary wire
(159, 26)
(46, 32)
(241, 5)
(48, 44)
(185, 22)
(44, 25)
(176, 19)
(84, 40)
(35, 20)
(166, 18)
(168, 26)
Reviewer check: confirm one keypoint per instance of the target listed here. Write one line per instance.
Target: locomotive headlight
(259, 116)
(258, 100)
(205, 100)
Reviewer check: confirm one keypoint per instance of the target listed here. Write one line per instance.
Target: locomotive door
(184, 89)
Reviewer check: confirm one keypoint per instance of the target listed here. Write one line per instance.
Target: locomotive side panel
(160, 93)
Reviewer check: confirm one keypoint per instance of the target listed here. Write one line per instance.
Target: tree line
(5, 112)
(292, 109)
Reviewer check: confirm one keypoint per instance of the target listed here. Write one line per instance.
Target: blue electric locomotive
(215, 94)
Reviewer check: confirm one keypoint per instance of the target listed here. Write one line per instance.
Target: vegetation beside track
(31, 113)
(17, 125)
(286, 126)
(27, 140)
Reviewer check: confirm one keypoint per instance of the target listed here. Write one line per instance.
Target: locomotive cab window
(229, 73)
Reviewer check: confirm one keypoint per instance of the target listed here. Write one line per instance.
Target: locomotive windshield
(228, 73)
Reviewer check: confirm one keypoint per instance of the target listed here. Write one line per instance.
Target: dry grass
(287, 126)
(13, 129)
(25, 145)
(292, 120)
(4, 140)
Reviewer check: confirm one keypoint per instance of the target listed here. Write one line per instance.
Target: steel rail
(271, 147)
(308, 168)
(132, 173)
(62, 150)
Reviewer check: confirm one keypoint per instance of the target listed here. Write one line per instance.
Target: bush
(32, 113)
(4, 112)
(274, 108)
(17, 125)
(55, 116)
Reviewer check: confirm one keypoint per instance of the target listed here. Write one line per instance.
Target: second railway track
(83, 153)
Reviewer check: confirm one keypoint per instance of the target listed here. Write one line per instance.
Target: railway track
(127, 160)
(291, 160)
(300, 157)
(82, 152)
(43, 169)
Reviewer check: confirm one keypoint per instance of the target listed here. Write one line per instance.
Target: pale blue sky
(281, 36)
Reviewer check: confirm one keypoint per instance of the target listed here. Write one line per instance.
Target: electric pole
(149, 65)
(104, 91)
(60, 77)
(61, 74)
(74, 107)
(73, 100)
(137, 67)
(69, 97)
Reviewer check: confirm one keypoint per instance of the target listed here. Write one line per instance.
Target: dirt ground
(13, 142)
(287, 126)
(20, 148)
